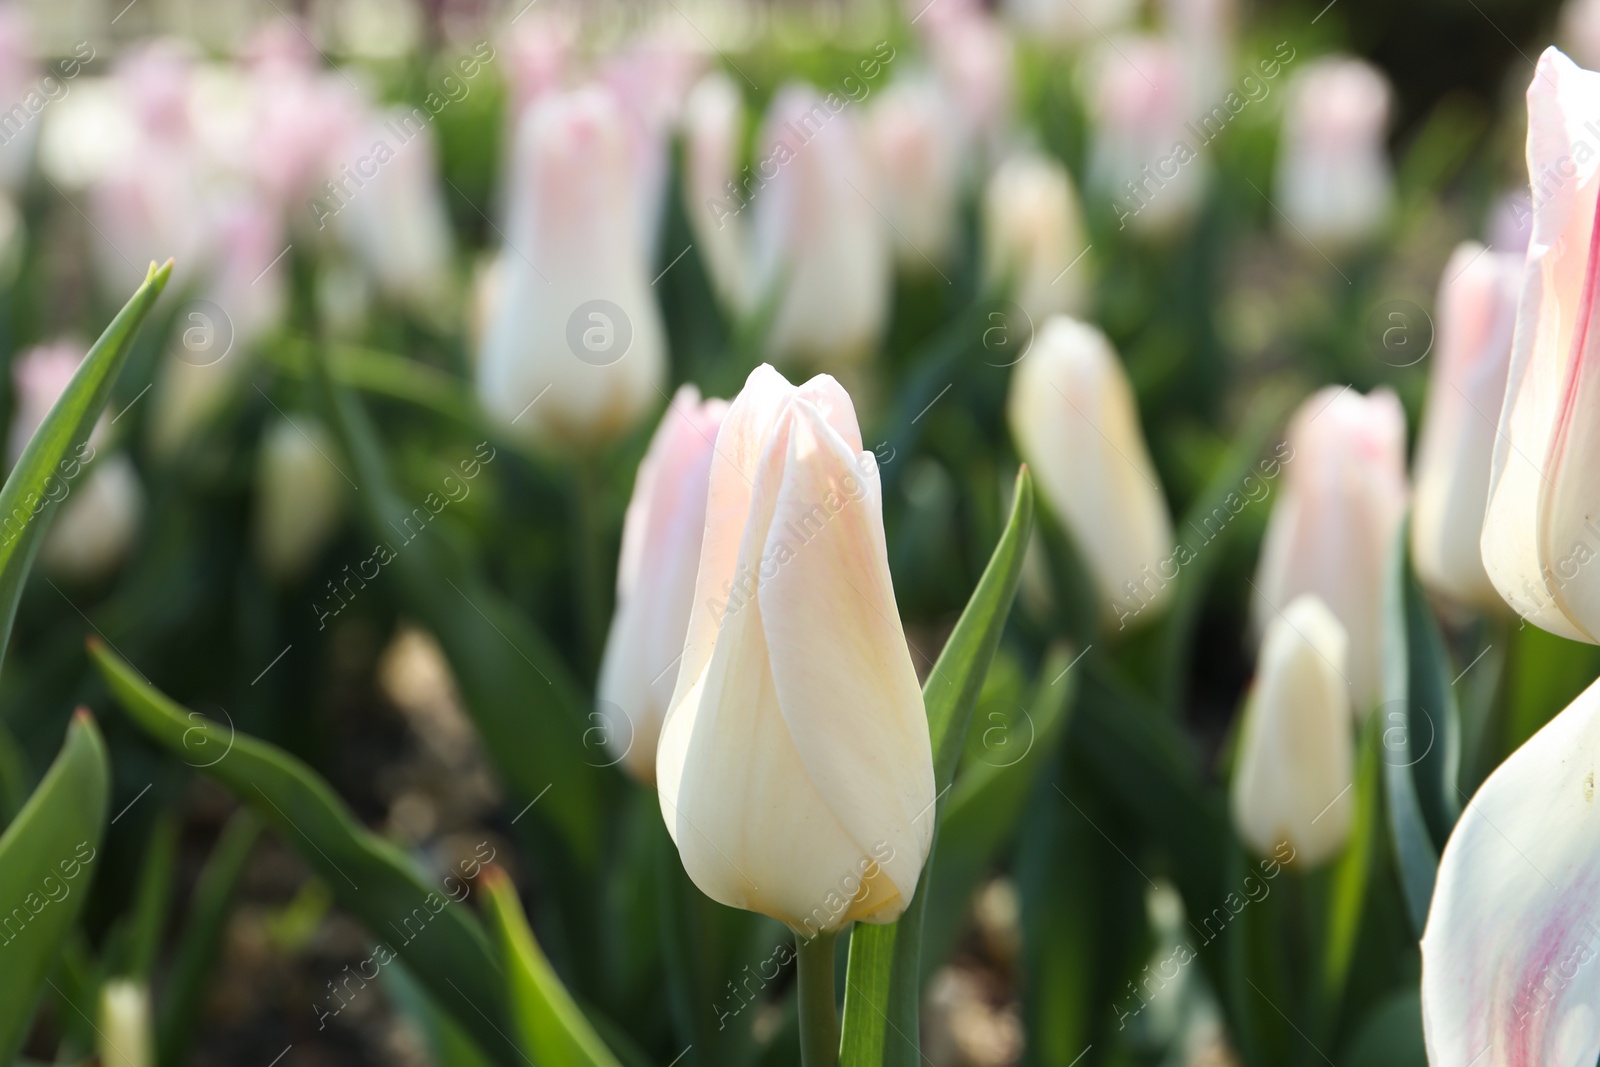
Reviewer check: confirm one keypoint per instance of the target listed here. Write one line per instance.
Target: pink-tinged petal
(840, 663)
(1508, 957)
(1528, 523)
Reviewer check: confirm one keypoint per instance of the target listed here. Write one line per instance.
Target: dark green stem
(819, 1010)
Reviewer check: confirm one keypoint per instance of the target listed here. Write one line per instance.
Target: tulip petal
(1512, 931)
(839, 660)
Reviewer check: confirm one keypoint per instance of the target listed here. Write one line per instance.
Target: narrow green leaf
(985, 805)
(412, 918)
(883, 980)
(14, 777)
(55, 455)
(151, 900)
(552, 1026)
(449, 1043)
(184, 993)
(46, 866)
(1352, 875)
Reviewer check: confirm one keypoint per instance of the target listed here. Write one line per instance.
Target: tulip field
(720, 533)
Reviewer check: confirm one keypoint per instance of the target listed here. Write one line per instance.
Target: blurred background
(214, 543)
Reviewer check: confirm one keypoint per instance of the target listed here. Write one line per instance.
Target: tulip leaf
(986, 803)
(552, 1027)
(54, 456)
(1353, 874)
(532, 713)
(372, 879)
(446, 1040)
(58, 831)
(187, 983)
(1421, 734)
(883, 980)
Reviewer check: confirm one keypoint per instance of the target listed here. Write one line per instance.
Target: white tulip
(126, 1032)
(713, 119)
(97, 523)
(299, 495)
(1034, 238)
(795, 769)
(1296, 756)
(1335, 183)
(1076, 422)
(575, 314)
(917, 159)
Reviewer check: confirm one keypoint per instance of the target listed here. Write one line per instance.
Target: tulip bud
(817, 232)
(795, 770)
(1295, 761)
(1476, 310)
(19, 74)
(713, 120)
(98, 522)
(125, 1028)
(1202, 32)
(40, 376)
(575, 313)
(1540, 533)
(1334, 523)
(916, 157)
(1334, 180)
(1508, 954)
(299, 496)
(661, 535)
(973, 57)
(1075, 420)
(396, 222)
(1034, 239)
(1071, 21)
(1143, 154)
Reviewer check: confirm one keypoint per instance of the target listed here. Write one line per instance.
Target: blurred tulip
(575, 314)
(1508, 972)
(1076, 422)
(125, 1030)
(1580, 31)
(817, 234)
(1334, 180)
(396, 222)
(1296, 755)
(1143, 153)
(1511, 222)
(656, 579)
(539, 58)
(25, 95)
(39, 377)
(1202, 32)
(1034, 238)
(795, 770)
(917, 161)
(1334, 524)
(713, 129)
(149, 207)
(1539, 534)
(973, 58)
(299, 496)
(303, 120)
(1476, 310)
(1071, 21)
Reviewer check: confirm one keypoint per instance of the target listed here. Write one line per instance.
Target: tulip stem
(819, 1008)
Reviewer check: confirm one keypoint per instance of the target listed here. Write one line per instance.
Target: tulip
(713, 120)
(1508, 954)
(1202, 32)
(973, 57)
(1142, 152)
(125, 1029)
(299, 496)
(23, 92)
(1334, 524)
(575, 314)
(1034, 239)
(1580, 31)
(1295, 762)
(1334, 180)
(1071, 21)
(656, 579)
(795, 770)
(817, 231)
(1511, 222)
(396, 222)
(917, 159)
(1539, 532)
(1076, 422)
(1476, 311)
(39, 377)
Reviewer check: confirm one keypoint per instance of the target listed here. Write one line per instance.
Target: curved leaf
(46, 858)
(883, 980)
(412, 917)
(552, 1026)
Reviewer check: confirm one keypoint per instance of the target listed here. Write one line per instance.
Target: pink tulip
(918, 160)
(1334, 180)
(1334, 524)
(1475, 313)
(1540, 535)
(656, 578)
(1143, 152)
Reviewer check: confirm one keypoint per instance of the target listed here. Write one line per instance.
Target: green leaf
(1421, 739)
(151, 900)
(985, 805)
(444, 945)
(49, 845)
(883, 980)
(552, 1026)
(449, 1043)
(52, 458)
(184, 993)
(1352, 875)
(1391, 1036)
